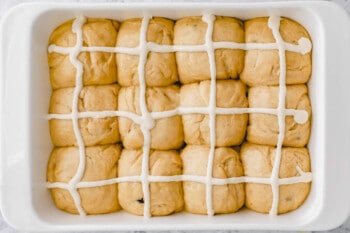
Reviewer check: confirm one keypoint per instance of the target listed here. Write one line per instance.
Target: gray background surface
(6, 4)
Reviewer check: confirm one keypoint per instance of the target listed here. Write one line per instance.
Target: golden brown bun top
(226, 162)
(258, 31)
(192, 30)
(161, 163)
(267, 96)
(96, 32)
(91, 98)
(158, 99)
(258, 160)
(229, 93)
(228, 29)
(101, 163)
(160, 31)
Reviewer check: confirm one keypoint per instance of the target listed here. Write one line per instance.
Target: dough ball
(166, 197)
(99, 67)
(225, 198)
(101, 164)
(194, 66)
(261, 67)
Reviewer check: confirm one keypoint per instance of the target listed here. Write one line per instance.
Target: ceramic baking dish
(25, 141)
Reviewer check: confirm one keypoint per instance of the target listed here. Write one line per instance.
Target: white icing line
(89, 184)
(300, 116)
(147, 121)
(67, 50)
(73, 57)
(274, 25)
(304, 46)
(209, 19)
(102, 114)
(59, 49)
(61, 185)
(304, 177)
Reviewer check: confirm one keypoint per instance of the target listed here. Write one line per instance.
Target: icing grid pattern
(147, 119)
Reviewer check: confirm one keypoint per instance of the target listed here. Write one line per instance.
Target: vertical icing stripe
(73, 57)
(209, 19)
(147, 121)
(274, 25)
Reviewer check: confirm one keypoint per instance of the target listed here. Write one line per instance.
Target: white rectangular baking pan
(25, 142)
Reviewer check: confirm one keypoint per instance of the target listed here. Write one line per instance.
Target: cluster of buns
(245, 143)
